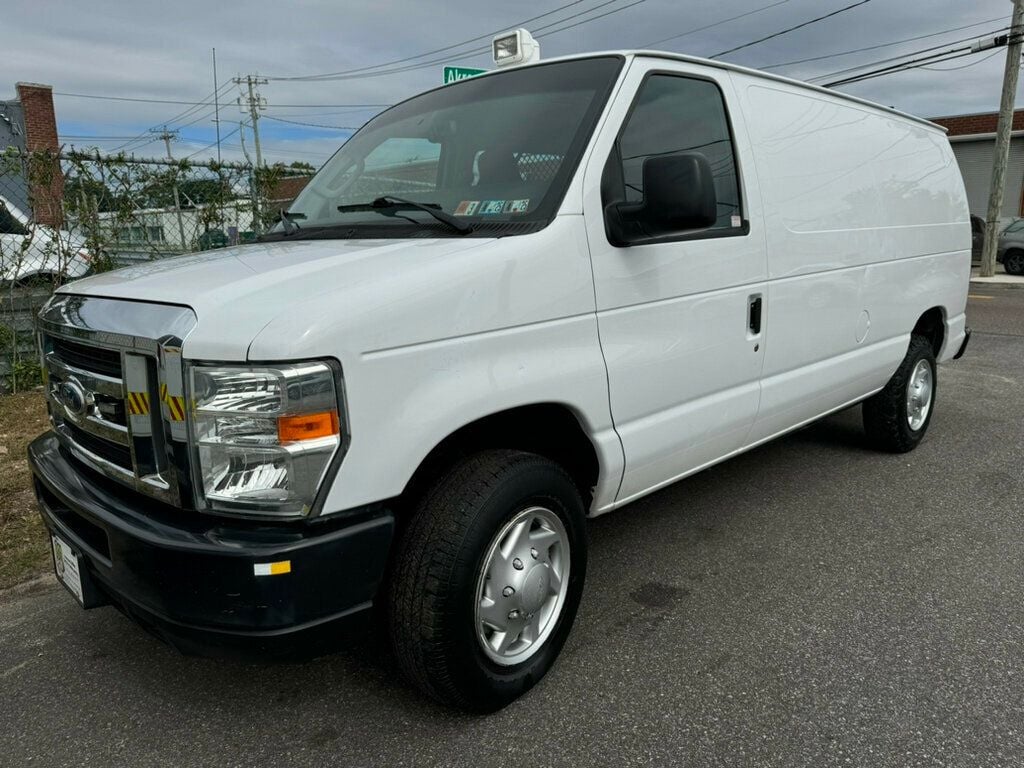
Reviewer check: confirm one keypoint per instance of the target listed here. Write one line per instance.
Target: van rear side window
(674, 114)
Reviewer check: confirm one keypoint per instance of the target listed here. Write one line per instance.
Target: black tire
(438, 562)
(1013, 262)
(886, 413)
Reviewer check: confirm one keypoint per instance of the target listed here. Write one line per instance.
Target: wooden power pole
(1003, 130)
(167, 135)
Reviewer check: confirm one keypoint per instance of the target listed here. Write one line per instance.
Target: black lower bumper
(194, 580)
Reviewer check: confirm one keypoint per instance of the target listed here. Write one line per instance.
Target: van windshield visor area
(496, 152)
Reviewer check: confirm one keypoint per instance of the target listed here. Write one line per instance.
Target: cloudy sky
(160, 52)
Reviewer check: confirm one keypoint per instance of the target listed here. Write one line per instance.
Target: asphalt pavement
(811, 603)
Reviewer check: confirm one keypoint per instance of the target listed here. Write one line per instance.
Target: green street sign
(454, 74)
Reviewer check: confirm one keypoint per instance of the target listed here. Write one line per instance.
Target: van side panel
(867, 228)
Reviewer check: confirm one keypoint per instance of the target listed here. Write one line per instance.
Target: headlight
(264, 435)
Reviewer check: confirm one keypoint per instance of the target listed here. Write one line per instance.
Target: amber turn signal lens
(308, 426)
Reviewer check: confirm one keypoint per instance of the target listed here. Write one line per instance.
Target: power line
(207, 102)
(128, 98)
(716, 24)
(425, 53)
(214, 142)
(901, 57)
(937, 58)
(592, 18)
(876, 47)
(461, 55)
(97, 138)
(313, 125)
(962, 66)
(934, 58)
(790, 29)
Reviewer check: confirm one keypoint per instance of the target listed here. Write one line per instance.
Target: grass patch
(24, 545)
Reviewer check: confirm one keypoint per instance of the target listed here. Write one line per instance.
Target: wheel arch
(932, 326)
(553, 430)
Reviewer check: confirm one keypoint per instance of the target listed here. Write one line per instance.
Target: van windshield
(497, 152)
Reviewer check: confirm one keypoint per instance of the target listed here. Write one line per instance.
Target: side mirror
(679, 195)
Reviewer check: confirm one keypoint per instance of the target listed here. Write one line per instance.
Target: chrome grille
(106, 363)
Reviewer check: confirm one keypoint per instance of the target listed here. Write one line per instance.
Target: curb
(987, 281)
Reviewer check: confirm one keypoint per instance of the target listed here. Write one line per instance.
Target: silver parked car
(1011, 248)
(1011, 245)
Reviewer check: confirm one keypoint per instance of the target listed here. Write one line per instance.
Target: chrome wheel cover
(522, 586)
(920, 387)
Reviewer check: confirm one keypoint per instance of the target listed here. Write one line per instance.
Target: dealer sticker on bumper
(65, 562)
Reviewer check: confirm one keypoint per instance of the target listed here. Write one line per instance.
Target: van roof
(746, 71)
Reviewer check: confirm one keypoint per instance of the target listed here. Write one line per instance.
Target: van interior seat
(498, 167)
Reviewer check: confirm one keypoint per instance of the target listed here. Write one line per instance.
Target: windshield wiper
(288, 221)
(386, 203)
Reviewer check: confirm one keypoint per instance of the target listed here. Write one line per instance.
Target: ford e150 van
(503, 306)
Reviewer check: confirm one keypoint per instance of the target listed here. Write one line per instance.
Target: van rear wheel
(487, 579)
(897, 418)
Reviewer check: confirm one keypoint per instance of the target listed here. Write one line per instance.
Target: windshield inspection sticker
(467, 207)
(518, 206)
(492, 206)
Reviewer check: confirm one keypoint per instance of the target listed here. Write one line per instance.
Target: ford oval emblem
(72, 395)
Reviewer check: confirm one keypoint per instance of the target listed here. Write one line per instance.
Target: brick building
(973, 140)
(28, 123)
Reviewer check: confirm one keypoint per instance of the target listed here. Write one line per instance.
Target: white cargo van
(503, 306)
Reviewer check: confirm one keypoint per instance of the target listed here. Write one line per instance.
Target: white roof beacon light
(516, 47)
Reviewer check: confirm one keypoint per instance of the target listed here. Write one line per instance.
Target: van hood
(237, 291)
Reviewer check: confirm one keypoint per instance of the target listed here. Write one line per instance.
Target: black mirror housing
(679, 196)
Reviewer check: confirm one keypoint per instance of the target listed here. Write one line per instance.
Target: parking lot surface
(810, 603)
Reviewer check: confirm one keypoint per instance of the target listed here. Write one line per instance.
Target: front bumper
(192, 579)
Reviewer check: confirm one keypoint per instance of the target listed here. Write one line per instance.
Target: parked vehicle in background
(35, 253)
(503, 306)
(1011, 248)
(977, 238)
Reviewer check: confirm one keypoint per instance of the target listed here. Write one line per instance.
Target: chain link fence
(67, 215)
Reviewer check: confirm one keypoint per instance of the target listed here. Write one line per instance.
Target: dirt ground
(24, 551)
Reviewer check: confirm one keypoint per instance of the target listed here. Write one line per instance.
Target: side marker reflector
(309, 426)
(272, 569)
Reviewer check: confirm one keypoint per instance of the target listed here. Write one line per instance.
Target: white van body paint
(858, 226)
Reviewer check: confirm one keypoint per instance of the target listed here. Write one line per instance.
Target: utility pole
(253, 103)
(216, 103)
(167, 135)
(1003, 130)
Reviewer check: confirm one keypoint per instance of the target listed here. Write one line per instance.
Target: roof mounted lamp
(517, 47)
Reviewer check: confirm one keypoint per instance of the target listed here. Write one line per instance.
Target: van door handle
(754, 314)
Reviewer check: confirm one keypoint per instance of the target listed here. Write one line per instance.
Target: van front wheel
(487, 579)
(897, 418)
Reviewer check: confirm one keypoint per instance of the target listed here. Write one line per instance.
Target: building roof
(977, 123)
(12, 134)
(287, 188)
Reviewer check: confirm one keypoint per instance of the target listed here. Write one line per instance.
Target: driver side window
(671, 115)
